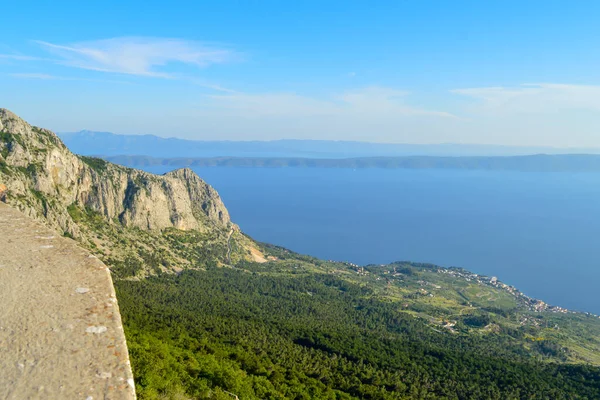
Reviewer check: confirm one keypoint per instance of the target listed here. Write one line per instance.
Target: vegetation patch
(41, 198)
(50, 138)
(97, 164)
(129, 267)
(86, 215)
(7, 140)
(77, 215)
(4, 168)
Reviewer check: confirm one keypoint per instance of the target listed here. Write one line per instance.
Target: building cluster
(531, 303)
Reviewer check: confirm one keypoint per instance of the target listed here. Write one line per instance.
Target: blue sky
(490, 72)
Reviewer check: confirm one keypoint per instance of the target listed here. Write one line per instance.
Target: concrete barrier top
(61, 335)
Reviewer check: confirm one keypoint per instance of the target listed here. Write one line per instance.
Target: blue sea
(537, 231)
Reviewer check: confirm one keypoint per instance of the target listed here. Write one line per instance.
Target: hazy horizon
(292, 139)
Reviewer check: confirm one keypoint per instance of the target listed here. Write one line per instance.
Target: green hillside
(298, 327)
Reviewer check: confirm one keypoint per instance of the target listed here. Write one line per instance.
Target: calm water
(537, 231)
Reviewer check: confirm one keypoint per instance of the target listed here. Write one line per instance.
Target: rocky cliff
(138, 223)
(43, 179)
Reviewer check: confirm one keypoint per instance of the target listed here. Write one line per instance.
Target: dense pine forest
(257, 335)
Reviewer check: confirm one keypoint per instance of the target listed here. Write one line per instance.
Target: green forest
(285, 333)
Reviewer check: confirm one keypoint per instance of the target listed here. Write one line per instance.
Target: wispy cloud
(371, 113)
(140, 56)
(19, 57)
(48, 77)
(535, 97)
(369, 102)
(536, 113)
(209, 85)
(376, 100)
(36, 76)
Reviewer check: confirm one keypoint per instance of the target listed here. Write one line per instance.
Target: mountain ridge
(85, 142)
(55, 171)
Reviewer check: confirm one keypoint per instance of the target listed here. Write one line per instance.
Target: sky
(486, 72)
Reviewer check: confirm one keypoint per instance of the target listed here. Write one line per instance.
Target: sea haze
(536, 231)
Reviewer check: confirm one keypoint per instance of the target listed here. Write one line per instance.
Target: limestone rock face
(43, 179)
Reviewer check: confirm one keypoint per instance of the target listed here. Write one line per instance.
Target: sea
(537, 231)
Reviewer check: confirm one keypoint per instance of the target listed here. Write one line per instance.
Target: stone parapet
(61, 335)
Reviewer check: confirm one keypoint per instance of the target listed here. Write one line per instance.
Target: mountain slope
(39, 160)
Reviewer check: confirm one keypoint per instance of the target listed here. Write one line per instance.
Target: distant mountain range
(110, 144)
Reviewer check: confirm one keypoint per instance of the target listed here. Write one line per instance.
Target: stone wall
(61, 335)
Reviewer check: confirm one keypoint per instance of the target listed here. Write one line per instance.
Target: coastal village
(530, 303)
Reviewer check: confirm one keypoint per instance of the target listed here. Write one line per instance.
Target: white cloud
(210, 85)
(369, 102)
(534, 98)
(368, 114)
(561, 115)
(376, 100)
(269, 104)
(35, 76)
(48, 77)
(19, 57)
(137, 55)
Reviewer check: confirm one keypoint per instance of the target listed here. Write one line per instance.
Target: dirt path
(60, 329)
(257, 256)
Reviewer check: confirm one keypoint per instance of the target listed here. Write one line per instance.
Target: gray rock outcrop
(43, 179)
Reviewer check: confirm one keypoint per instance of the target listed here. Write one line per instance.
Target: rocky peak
(44, 179)
(13, 124)
(10, 121)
